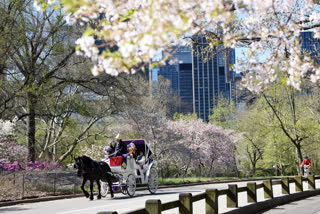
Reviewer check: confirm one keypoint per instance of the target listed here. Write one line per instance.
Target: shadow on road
(145, 194)
(8, 209)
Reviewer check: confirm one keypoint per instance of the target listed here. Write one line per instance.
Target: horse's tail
(111, 176)
(107, 173)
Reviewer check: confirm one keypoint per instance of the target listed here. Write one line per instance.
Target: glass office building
(310, 45)
(180, 76)
(198, 83)
(211, 78)
(185, 87)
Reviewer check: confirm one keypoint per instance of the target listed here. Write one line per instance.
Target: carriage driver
(119, 149)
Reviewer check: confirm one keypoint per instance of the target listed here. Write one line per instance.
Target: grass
(164, 181)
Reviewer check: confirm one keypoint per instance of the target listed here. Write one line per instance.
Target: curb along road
(51, 198)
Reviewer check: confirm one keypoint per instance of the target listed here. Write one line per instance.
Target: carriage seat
(115, 161)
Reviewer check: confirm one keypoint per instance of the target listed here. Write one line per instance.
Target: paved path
(123, 204)
(306, 206)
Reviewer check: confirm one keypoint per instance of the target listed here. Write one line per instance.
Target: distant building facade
(180, 75)
(185, 88)
(170, 72)
(310, 45)
(198, 83)
(211, 78)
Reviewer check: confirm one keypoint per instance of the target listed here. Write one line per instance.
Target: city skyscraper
(310, 45)
(185, 87)
(180, 75)
(199, 83)
(211, 78)
(170, 72)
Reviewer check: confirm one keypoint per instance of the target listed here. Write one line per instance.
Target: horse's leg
(110, 187)
(91, 189)
(99, 189)
(82, 187)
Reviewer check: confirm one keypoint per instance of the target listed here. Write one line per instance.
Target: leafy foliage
(223, 113)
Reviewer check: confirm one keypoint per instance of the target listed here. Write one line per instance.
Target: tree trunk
(31, 129)
(300, 158)
(3, 76)
(282, 168)
(54, 153)
(254, 169)
(211, 166)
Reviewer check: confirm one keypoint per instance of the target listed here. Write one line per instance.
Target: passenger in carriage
(141, 158)
(132, 150)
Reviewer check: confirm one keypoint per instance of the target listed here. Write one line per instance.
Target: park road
(306, 206)
(122, 204)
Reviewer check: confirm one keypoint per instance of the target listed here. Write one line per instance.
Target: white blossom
(141, 27)
(36, 5)
(7, 127)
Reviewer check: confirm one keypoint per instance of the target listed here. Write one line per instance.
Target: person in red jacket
(307, 163)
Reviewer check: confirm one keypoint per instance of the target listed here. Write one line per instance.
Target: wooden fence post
(311, 182)
(153, 206)
(14, 178)
(185, 203)
(211, 201)
(285, 186)
(298, 182)
(252, 192)
(22, 194)
(74, 184)
(267, 187)
(54, 183)
(232, 196)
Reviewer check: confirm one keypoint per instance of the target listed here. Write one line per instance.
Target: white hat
(118, 136)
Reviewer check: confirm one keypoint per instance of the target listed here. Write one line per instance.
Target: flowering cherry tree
(131, 32)
(7, 127)
(207, 144)
(11, 151)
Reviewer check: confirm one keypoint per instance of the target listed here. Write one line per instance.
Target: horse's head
(78, 164)
(84, 164)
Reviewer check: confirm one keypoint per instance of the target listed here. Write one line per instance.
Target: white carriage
(136, 173)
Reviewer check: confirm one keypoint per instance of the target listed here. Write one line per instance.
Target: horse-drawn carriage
(135, 173)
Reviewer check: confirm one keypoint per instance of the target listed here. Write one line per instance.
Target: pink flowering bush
(30, 166)
(39, 166)
(13, 157)
(8, 166)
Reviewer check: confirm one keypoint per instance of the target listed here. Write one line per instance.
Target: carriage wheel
(153, 180)
(123, 186)
(123, 189)
(104, 188)
(131, 185)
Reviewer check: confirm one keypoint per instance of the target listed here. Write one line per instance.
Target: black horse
(94, 171)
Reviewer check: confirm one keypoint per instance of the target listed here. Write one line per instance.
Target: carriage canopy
(141, 146)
